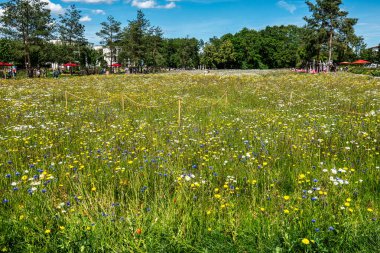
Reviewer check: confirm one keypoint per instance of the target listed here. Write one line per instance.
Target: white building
(107, 54)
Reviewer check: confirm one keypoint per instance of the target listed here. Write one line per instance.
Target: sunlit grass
(257, 163)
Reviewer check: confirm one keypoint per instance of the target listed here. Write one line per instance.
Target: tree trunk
(330, 51)
(27, 59)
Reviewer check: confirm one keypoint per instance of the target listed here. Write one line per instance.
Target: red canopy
(70, 64)
(116, 65)
(344, 63)
(360, 62)
(5, 64)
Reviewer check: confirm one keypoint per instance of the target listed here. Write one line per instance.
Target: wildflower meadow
(273, 162)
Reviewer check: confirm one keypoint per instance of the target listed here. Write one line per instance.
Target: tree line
(28, 32)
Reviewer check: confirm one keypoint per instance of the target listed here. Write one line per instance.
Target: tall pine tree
(327, 21)
(28, 21)
(70, 29)
(110, 34)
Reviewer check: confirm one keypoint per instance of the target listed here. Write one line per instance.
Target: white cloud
(101, 12)
(85, 19)
(152, 4)
(287, 6)
(54, 8)
(90, 1)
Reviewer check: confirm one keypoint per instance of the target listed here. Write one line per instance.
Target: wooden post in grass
(66, 100)
(179, 111)
(122, 102)
(290, 99)
(226, 98)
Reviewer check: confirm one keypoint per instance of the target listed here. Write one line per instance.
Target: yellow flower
(61, 228)
(47, 231)
(286, 211)
(305, 241)
(93, 189)
(347, 204)
(217, 196)
(370, 210)
(348, 200)
(262, 209)
(286, 197)
(301, 176)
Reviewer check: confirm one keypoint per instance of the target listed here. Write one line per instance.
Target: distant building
(375, 49)
(107, 54)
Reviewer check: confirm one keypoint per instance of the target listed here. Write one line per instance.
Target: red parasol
(360, 62)
(70, 64)
(6, 64)
(116, 65)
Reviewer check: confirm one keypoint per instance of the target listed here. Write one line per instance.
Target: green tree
(110, 35)
(70, 29)
(328, 20)
(134, 40)
(11, 51)
(227, 55)
(28, 21)
(154, 46)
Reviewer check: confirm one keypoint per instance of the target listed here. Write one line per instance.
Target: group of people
(9, 73)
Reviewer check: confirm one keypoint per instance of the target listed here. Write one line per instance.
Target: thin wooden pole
(66, 100)
(179, 111)
(226, 98)
(291, 98)
(122, 102)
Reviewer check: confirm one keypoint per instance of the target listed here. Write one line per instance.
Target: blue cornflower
(5, 201)
(43, 190)
(317, 230)
(331, 228)
(143, 188)
(313, 220)
(8, 175)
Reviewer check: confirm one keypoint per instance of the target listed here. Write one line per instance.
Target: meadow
(274, 162)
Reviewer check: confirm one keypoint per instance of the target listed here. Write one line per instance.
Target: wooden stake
(179, 111)
(122, 102)
(291, 97)
(66, 99)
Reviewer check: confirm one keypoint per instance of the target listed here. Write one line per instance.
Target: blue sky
(204, 19)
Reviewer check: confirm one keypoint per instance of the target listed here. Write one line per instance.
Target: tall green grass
(271, 163)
